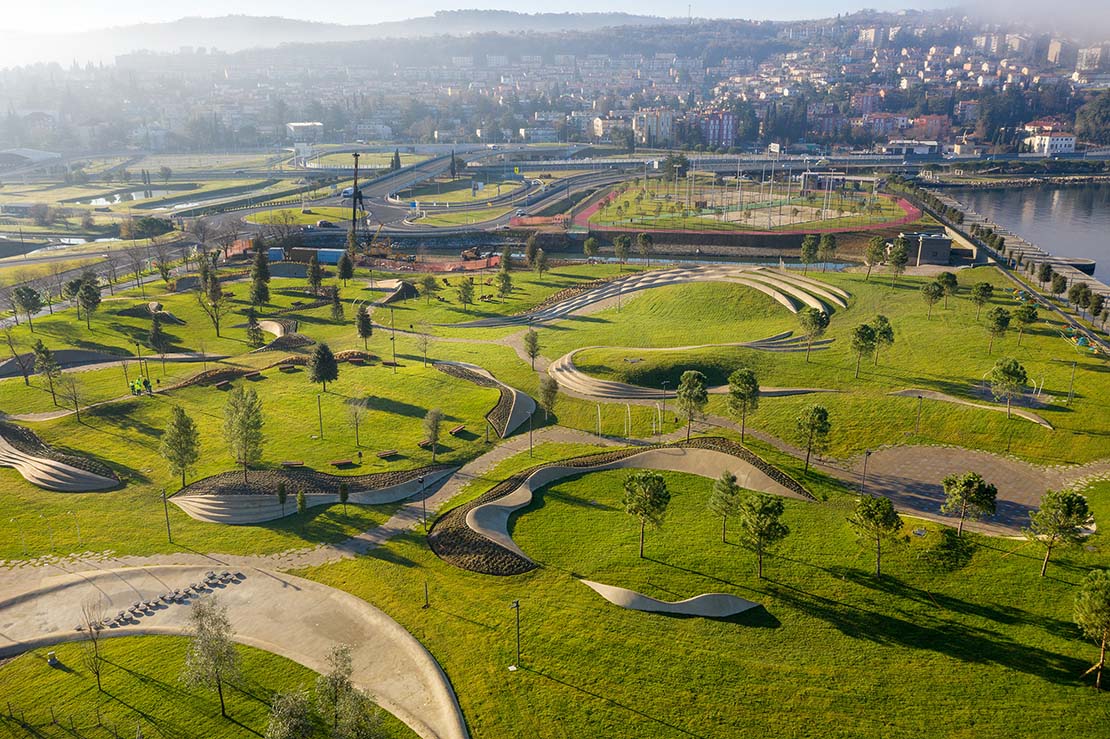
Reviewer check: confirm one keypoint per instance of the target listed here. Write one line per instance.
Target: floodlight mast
(354, 203)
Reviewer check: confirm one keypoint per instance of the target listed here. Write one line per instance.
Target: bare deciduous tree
(92, 621)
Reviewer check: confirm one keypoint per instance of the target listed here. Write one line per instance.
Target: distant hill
(238, 32)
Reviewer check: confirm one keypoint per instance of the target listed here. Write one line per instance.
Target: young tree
(743, 396)
(897, 259)
(333, 685)
(255, 337)
(359, 718)
(589, 247)
(344, 495)
(504, 284)
(364, 325)
(260, 278)
(71, 392)
(336, 304)
(813, 428)
(931, 293)
(465, 292)
(691, 397)
(998, 321)
(646, 244)
(424, 338)
(813, 322)
(876, 252)
(28, 300)
(809, 249)
(506, 260)
(346, 268)
(530, 249)
(315, 274)
(1060, 521)
(1008, 379)
(157, 339)
(180, 444)
(302, 507)
(969, 496)
(863, 343)
(322, 366)
(243, 427)
(540, 262)
(46, 364)
(433, 424)
(532, 345)
(282, 496)
(21, 361)
(429, 287)
(92, 621)
(210, 296)
(290, 717)
(826, 250)
(549, 392)
(950, 285)
(875, 520)
(981, 294)
(212, 658)
(646, 497)
(621, 246)
(1059, 285)
(1092, 616)
(724, 500)
(761, 525)
(88, 297)
(884, 334)
(1025, 315)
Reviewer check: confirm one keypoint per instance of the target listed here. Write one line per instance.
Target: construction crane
(381, 249)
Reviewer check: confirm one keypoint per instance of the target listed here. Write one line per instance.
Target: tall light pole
(166, 510)
(917, 429)
(664, 412)
(516, 607)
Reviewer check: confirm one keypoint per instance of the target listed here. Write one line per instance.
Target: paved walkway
(290, 616)
(945, 398)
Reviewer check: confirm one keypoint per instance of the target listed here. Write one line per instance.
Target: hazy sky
(77, 15)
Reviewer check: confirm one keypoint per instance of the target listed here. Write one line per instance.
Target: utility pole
(354, 202)
(516, 607)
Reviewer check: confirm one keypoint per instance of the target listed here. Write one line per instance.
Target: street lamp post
(516, 607)
(863, 481)
(166, 510)
(664, 413)
(423, 507)
(917, 429)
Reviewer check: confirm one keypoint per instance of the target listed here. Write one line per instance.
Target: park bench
(223, 384)
(389, 363)
(340, 462)
(298, 303)
(424, 444)
(286, 367)
(254, 374)
(357, 361)
(292, 464)
(387, 454)
(458, 429)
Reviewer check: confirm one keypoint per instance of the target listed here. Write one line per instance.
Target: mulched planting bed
(28, 442)
(311, 482)
(457, 544)
(499, 414)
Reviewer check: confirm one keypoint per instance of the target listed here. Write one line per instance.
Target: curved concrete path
(706, 605)
(780, 285)
(251, 509)
(945, 398)
(523, 406)
(286, 615)
(52, 474)
(491, 520)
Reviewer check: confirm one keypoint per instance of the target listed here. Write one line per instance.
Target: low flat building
(926, 247)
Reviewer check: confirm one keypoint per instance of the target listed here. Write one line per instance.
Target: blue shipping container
(276, 254)
(329, 256)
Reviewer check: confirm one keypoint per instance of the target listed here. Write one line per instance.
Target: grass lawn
(368, 159)
(947, 353)
(142, 689)
(988, 650)
(446, 190)
(461, 217)
(338, 216)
